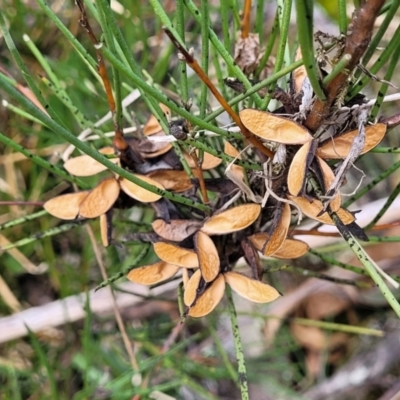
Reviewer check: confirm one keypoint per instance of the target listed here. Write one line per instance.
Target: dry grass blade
(299, 74)
(251, 289)
(236, 169)
(177, 229)
(65, 206)
(152, 274)
(329, 177)
(86, 166)
(339, 146)
(232, 220)
(313, 209)
(208, 256)
(177, 181)
(191, 288)
(209, 161)
(279, 233)
(207, 301)
(104, 229)
(276, 129)
(174, 254)
(139, 193)
(100, 199)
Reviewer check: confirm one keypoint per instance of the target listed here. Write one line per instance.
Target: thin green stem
(42, 162)
(225, 27)
(22, 220)
(342, 16)
(338, 68)
(180, 27)
(305, 35)
(243, 383)
(204, 56)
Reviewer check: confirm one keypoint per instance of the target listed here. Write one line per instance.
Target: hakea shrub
(252, 211)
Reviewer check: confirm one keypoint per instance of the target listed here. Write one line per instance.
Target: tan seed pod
(185, 277)
(298, 169)
(65, 206)
(251, 289)
(177, 181)
(236, 169)
(177, 229)
(258, 240)
(209, 161)
(191, 288)
(313, 209)
(139, 193)
(299, 74)
(292, 248)
(232, 220)
(174, 254)
(207, 301)
(271, 127)
(153, 126)
(87, 166)
(100, 199)
(279, 233)
(329, 177)
(152, 274)
(339, 147)
(208, 256)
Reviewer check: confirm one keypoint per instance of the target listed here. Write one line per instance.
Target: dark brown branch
(358, 37)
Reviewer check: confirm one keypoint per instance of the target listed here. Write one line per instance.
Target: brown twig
(191, 61)
(358, 37)
(119, 140)
(246, 19)
(199, 175)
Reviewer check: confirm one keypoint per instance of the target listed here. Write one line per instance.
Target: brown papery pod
(152, 149)
(152, 126)
(207, 301)
(100, 199)
(279, 233)
(177, 229)
(87, 166)
(174, 254)
(177, 181)
(271, 127)
(191, 288)
(65, 206)
(339, 146)
(139, 193)
(299, 74)
(232, 220)
(290, 248)
(152, 274)
(251, 289)
(208, 256)
(233, 152)
(313, 209)
(209, 161)
(299, 167)
(329, 177)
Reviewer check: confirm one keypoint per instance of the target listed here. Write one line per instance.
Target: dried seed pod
(177, 229)
(208, 256)
(236, 169)
(100, 199)
(299, 74)
(339, 146)
(292, 248)
(209, 161)
(85, 165)
(152, 274)
(177, 181)
(271, 127)
(247, 52)
(328, 177)
(152, 149)
(174, 254)
(191, 288)
(232, 220)
(139, 193)
(65, 206)
(299, 167)
(106, 228)
(153, 126)
(208, 300)
(279, 231)
(251, 289)
(312, 210)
